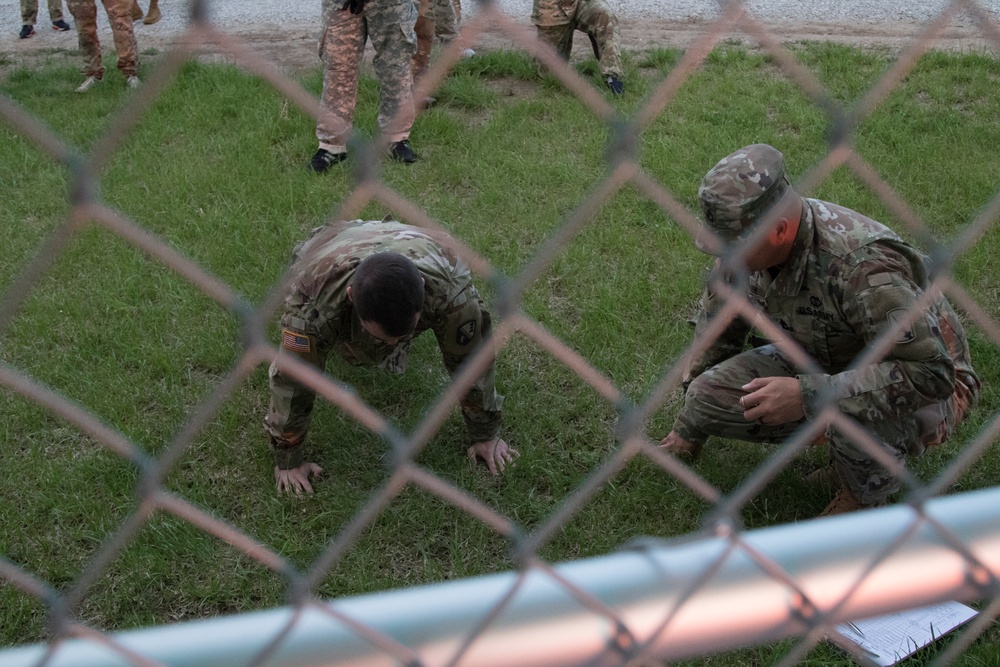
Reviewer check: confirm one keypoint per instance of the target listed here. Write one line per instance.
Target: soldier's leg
(445, 21)
(121, 30)
(870, 481)
(595, 18)
(559, 37)
(457, 6)
(85, 16)
(390, 26)
(712, 404)
(55, 10)
(29, 12)
(341, 48)
(424, 29)
(938, 421)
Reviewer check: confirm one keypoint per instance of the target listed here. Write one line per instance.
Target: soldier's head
(744, 192)
(387, 292)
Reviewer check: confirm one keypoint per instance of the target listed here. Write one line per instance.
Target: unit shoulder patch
(466, 333)
(893, 317)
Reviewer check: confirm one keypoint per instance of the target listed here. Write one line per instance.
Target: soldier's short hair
(388, 289)
(740, 189)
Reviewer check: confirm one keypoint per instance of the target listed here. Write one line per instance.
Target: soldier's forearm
(287, 456)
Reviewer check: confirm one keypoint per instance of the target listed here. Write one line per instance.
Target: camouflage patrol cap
(739, 189)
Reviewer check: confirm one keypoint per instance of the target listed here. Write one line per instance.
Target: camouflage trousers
(29, 11)
(601, 25)
(119, 15)
(437, 18)
(712, 407)
(389, 24)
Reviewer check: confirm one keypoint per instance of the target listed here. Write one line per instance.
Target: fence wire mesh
(62, 600)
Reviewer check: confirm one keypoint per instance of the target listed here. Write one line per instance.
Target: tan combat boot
(825, 478)
(842, 503)
(682, 449)
(153, 15)
(136, 10)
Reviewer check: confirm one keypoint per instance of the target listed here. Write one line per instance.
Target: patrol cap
(738, 190)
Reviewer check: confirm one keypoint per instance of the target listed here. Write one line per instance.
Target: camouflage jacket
(547, 13)
(848, 279)
(317, 305)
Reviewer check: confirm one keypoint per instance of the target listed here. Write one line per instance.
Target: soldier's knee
(707, 390)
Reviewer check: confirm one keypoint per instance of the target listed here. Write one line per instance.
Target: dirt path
(293, 47)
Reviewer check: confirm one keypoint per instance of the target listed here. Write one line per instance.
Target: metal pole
(542, 624)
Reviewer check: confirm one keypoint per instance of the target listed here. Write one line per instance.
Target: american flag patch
(295, 342)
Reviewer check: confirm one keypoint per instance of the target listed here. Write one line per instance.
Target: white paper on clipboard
(891, 638)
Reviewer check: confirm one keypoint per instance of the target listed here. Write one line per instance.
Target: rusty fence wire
(653, 602)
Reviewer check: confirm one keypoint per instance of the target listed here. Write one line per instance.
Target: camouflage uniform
(119, 16)
(847, 279)
(556, 20)
(389, 24)
(29, 11)
(319, 318)
(437, 18)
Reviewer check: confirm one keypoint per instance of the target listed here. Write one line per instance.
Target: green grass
(216, 169)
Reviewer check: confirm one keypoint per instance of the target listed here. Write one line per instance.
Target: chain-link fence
(657, 601)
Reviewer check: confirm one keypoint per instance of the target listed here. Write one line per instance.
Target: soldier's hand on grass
(296, 479)
(680, 447)
(496, 453)
(772, 400)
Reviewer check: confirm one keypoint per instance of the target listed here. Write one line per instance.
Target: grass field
(216, 169)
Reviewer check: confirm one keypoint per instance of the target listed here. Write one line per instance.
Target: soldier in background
(29, 14)
(556, 20)
(347, 26)
(365, 290)
(436, 19)
(85, 14)
(833, 280)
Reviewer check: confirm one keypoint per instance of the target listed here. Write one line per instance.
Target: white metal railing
(669, 600)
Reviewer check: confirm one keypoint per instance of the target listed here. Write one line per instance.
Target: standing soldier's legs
(341, 48)
(119, 15)
(424, 29)
(85, 16)
(445, 21)
(599, 22)
(712, 404)
(55, 10)
(29, 12)
(390, 26)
